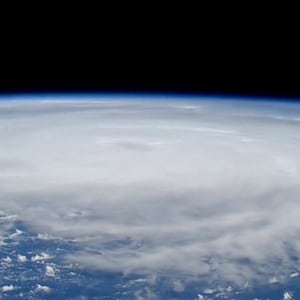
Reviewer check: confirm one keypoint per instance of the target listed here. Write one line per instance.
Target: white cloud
(145, 294)
(21, 258)
(295, 274)
(273, 280)
(208, 291)
(7, 259)
(179, 187)
(50, 272)
(43, 288)
(42, 257)
(7, 288)
(16, 234)
(287, 296)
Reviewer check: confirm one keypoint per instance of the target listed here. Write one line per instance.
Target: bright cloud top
(207, 189)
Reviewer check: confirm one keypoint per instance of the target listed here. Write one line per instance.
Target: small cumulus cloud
(7, 259)
(273, 280)
(43, 256)
(7, 288)
(287, 296)
(42, 288)
(145, 294)
(296, 274)
(208, 291)
(16, 234)
(50, 271)
(21, 258)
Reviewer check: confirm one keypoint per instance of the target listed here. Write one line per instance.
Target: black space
(157, 71)
(186, 53)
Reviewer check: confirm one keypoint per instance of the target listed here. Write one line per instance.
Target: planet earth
(149, 197)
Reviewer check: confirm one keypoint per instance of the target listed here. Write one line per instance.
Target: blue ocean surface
(33, 267)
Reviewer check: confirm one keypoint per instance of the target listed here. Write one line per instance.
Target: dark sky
(188, 55)
(155, 70)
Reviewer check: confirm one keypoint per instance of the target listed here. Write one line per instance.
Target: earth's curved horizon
(136, 197)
